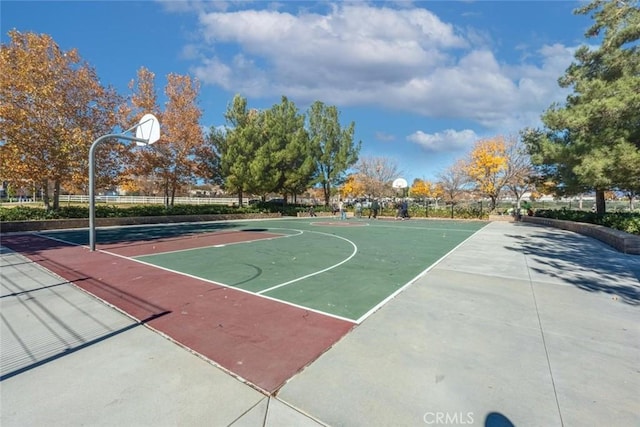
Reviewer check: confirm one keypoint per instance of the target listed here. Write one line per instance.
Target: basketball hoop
(399, 183)
(147, 132)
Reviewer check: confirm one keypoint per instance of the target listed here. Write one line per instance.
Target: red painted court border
(262, 341)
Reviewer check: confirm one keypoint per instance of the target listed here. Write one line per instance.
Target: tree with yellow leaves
(52, 107)
(353, 187)
(183, 133)
(171, 161)
(487, 167)
(138, 176)
(420, 188)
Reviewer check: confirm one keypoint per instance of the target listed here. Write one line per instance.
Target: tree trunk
(326, 187)
(45, 194)
(240, 197)
(600, 204)
(56, 195)
(166, 194)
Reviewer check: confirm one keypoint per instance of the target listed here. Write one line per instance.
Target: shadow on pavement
(71, 350)
(584, 262)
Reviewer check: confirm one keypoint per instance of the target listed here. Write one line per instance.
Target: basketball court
(262, 299)
(518, 325)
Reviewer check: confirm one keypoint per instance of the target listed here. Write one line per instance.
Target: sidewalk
(521, 325)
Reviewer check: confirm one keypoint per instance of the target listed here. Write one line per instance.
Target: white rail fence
(147, 200)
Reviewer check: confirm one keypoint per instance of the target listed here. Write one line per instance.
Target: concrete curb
(619, 240)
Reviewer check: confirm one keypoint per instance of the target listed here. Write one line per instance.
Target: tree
(283, 161)
(520, 176)
(627, 173)
(452, 183)
(183, 135)
(487, 167)
(550, 174)
(138, 186)
(171, 162)
(426, 189)
(332, 146)
(237, 145)
(437, 192)
(352, 187)
(52, 107)
(377, 175)
(140, 171)
(590, 140)
(420, 188)
(207, 157)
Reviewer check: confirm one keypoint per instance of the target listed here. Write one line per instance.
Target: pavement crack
(544, 341)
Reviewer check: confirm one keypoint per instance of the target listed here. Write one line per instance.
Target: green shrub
(459, 212)
(24, 213)
(628, 222)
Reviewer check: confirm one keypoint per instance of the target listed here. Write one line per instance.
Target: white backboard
(399, 183)
(148, 129)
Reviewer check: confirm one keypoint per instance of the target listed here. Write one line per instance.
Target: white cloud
(353, 43)
(384, 136)
(445, 141)
(404, 59)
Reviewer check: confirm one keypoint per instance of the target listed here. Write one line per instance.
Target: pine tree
(592, 141)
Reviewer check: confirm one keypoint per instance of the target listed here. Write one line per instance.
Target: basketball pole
(92, 179)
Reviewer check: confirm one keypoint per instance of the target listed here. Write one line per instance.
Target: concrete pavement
(520, 325)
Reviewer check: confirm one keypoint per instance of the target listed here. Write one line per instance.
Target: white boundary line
(410, 282)
(302, 307)
(399, 227)
(230, 287)
(223, 244)
(355, 251)
(262, 292)
(299, 233)
(357, 321)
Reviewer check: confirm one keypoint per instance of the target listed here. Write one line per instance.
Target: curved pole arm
(92, 178)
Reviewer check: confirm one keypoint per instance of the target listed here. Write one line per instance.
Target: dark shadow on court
(589, 264)
(149, 233)
(23, 243)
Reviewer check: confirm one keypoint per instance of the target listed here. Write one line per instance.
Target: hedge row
(628, 222)
(25, 213)
(624, 221)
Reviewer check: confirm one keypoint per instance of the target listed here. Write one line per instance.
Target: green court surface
(345, 268)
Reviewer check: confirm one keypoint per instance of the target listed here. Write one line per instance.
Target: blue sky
(422, 80)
